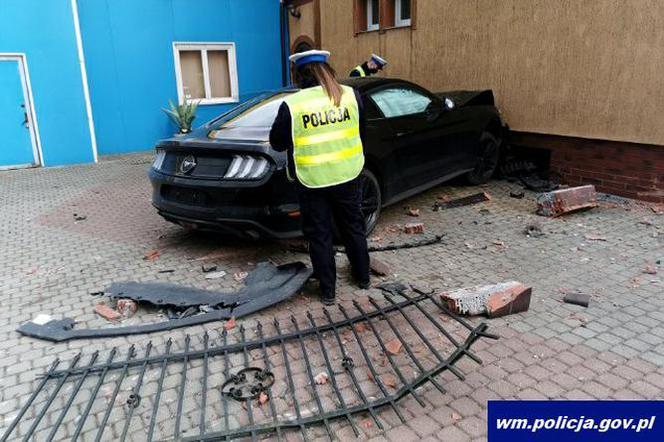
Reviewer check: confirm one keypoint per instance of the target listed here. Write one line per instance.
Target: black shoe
(366, 285)
(328, 299)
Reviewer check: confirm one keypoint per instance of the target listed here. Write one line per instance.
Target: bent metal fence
(307, 374)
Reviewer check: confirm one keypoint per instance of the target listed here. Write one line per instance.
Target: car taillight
(159, 159)
(246, 167)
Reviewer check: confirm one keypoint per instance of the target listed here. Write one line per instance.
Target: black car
(224, 176)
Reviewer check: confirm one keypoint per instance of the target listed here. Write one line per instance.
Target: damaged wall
(587, 69)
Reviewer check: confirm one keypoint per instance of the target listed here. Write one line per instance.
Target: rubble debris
(378, 267)
(464, 201)
(126, 307)
(526, 172)
(205, 268)
(230, 324)
(650, 269)
(577, 298)
(389, 380)
(303, 247)
(78, 217)
(591, 237)
(265, 286)
(167, 271)
(413, 212)
(456, 417)
(240, 276)
(493, 300)
(245, 383)
(151, 255)
(561, 202)
(215, 275)
(518, 194)
(321, 378)
(393, 347)
(412, 228)
(263, 398)
(106, 312)
(534, 229)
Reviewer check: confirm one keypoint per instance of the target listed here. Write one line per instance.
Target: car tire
(487, 161)
(371, 202)
(372, 199)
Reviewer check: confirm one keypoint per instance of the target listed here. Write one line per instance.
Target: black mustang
(224, 176)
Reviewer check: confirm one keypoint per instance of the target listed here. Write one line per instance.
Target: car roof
(364, 83)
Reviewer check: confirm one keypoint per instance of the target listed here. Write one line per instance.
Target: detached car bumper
(267, 208)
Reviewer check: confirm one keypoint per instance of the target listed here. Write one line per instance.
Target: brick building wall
(627, 169)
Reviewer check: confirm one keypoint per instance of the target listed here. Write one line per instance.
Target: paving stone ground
(614, 349)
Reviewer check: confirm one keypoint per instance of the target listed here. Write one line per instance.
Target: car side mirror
(448, 104)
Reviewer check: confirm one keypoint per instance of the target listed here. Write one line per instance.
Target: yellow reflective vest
(360, 69)
(327, 149)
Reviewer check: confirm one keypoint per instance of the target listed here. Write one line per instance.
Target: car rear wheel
(487, 161)
(371, 199)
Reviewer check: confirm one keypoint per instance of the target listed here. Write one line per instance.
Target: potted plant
(182, 115)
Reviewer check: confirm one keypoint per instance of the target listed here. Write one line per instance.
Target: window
(401, 12)
(400, 101)
(206, 72)
(373, 15)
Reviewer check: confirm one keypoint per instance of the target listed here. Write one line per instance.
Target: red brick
(563, 201)
(107, 312)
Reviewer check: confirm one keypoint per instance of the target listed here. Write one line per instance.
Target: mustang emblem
(188, 164)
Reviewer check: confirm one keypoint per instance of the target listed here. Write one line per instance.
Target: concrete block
(560, 202)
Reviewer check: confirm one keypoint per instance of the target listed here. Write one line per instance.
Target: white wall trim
(204, 46)
(32, 115)
(84, 79)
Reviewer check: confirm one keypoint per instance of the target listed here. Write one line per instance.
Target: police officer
(370, 67)
(319, 126)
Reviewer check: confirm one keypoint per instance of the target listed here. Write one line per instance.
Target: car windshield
(257, 112)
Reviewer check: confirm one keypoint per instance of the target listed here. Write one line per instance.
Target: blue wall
(44, 31)
(129, 56)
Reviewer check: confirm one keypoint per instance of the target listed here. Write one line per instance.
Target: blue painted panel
(16, 146)
(44, 31)
(129, 52)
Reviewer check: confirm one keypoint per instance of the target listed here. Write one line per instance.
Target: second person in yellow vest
(320, 127)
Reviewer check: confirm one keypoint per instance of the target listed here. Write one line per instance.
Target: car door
(420, 149)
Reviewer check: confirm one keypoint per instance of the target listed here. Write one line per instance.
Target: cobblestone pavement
(614, 349)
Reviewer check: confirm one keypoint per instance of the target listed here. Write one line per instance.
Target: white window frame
(398, 21)
(203, 47)
(370, 25)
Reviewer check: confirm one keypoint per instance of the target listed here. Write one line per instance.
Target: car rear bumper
(265, 209)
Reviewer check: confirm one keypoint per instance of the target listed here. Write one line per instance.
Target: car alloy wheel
(487, 161)
(371, 199)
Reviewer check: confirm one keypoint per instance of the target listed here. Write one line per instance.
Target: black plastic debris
(265, 286)
(469, 200)
(577, 299)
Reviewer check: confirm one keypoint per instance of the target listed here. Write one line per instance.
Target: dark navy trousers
(318, 208)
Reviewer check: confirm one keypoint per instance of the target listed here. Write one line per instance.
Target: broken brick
(412, 228)
(367, 423)
(393, 347)
(230, 324)
(650, 269)
(151, 255)
(360, 328)
(492, 300)
(413, 212)
(389, 380)
(263, 398)
(321, 378)
(107, 312)
(560, 202)
(379, 267)
(127, 307)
